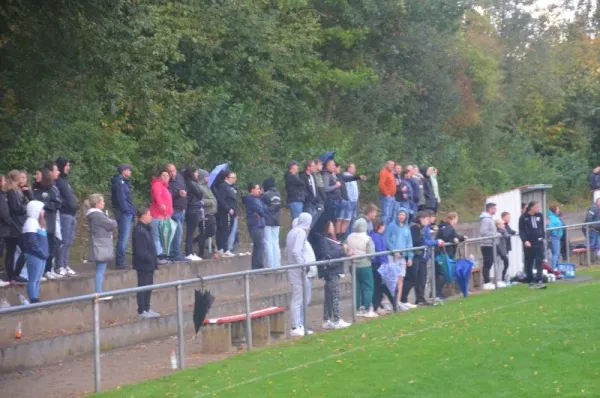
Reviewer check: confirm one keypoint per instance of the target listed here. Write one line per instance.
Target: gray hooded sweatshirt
(487, 228)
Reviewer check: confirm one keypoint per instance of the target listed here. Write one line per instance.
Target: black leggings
(191, 225)
(13, 270)
(51, 249)
(223, 230)
(379, 289)
(534, 256)
(488, 261)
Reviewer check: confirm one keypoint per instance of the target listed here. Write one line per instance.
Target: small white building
(510, 201)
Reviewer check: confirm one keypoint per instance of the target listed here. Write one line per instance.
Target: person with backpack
(101, 228)
(532, 233)
(271, 198)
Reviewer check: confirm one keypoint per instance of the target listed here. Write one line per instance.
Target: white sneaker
(3, 283)
(411, 306)
(387, 306)
(403, 306)
(501, 284)
(43, 279)
(193, 257)
(153, 314)
(360, 312)
(50, 275)
(489, 286)
(71, 272)
(371, 314)
(340, 324)
(382, 311)
(56, 275)
(145, 315)
(328, 325)
(228, 254)
(297, 332)
(62, 271)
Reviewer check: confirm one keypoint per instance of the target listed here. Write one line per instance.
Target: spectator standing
(436, 189)
(101, 229)
(5, 224)
(360, 244)
(124, 210)
(398, 236)
(312, 196)
(532, 233)
(68, 212)
(510, 233)
(299, 251)
(370, 215)
(412, 180)
(161, 208)
(226, 213)
(351, 185)
(428, 189)
(487, 229)
(318, 174)
(332, 188)
(501, 248)
(272, 200)
(594, 179)
(194, 210)
(208, 224)
(555, 235)
(17, 200)
(256, 212)
(387, 192)
(35, 248)
(46, 191)
(593, 215)
(448, 234)
(332, 249)
(296, 190)
(179, 195)
(145, 259)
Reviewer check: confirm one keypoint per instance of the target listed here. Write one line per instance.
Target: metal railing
(96, 298)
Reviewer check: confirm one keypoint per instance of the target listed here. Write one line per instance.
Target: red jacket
(160, 196)
(387, 183)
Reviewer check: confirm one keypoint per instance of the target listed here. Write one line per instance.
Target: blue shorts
(341, 209)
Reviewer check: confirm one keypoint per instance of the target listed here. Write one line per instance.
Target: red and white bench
(219, 335)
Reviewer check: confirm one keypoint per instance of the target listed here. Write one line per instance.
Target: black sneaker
(179, 259)
(122, 266)
(424, 303)
(20, 281)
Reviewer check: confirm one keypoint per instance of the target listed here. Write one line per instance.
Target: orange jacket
(387, 183)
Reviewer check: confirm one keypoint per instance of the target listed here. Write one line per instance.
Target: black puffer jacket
(329, 249)
(6, 222)
(272, 200)
(447, 233)
(194, 196)
(69, 201)
(428, 192)
(295, 188)
(144, 249)
(226, 198)
(176, 185)
(17, 206)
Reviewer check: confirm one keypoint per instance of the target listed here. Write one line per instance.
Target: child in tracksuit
(145, 261)
(36, 249)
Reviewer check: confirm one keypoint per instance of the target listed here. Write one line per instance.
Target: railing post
(353, 287)
(180, 337)
(304, 301)
(248, 315)
(495, 248)
(433, 275)
(568, 248)
(588, 244)
(96, 308)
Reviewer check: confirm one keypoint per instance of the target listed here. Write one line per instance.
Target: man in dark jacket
(145, 261)
(594, 179)
(532, 233)
(124, 210)
(295, 188)
(256, 211)
(428, 191)
(272, 200)
(593, 215)
(226, 212)
(5, 222)
(68, 212)
(179, 194)
(312, 197)
(412, 179)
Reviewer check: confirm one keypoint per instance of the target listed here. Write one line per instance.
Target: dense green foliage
(491, 94)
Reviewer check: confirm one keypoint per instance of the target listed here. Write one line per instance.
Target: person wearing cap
(68, 213)
(295, 188)
(124, 209)
(207, 224)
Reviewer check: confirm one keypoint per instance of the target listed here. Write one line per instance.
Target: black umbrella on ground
(203, 300)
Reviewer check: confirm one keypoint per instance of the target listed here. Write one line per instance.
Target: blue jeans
(594, 240)
(178, 216)
(35, 269)
(99, 278)
(67, 230)
(232, 235)
(555, 248)
(124, 224)
(156, 237)
(272, 250)
(387, 208)
(352, 207)
(295, 209)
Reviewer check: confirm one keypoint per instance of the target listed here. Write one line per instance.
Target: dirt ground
(128, 365)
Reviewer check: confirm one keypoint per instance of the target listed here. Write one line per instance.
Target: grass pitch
(514, 342)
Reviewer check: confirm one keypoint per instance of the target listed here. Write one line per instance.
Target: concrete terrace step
(73, 317)
(48, 349)
(83, 283)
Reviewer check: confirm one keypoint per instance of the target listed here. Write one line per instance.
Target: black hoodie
(50, 196)
(428, 192)
(69, 201)
(272, 200)
(295, 188)
(531, 228)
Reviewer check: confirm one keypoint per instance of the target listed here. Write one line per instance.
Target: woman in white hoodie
(35, 244)
(101, 241)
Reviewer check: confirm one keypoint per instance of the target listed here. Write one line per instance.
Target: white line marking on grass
(409, 334)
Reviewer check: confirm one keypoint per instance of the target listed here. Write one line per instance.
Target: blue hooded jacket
(380, 246)
(398, 236)
(555, 221)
